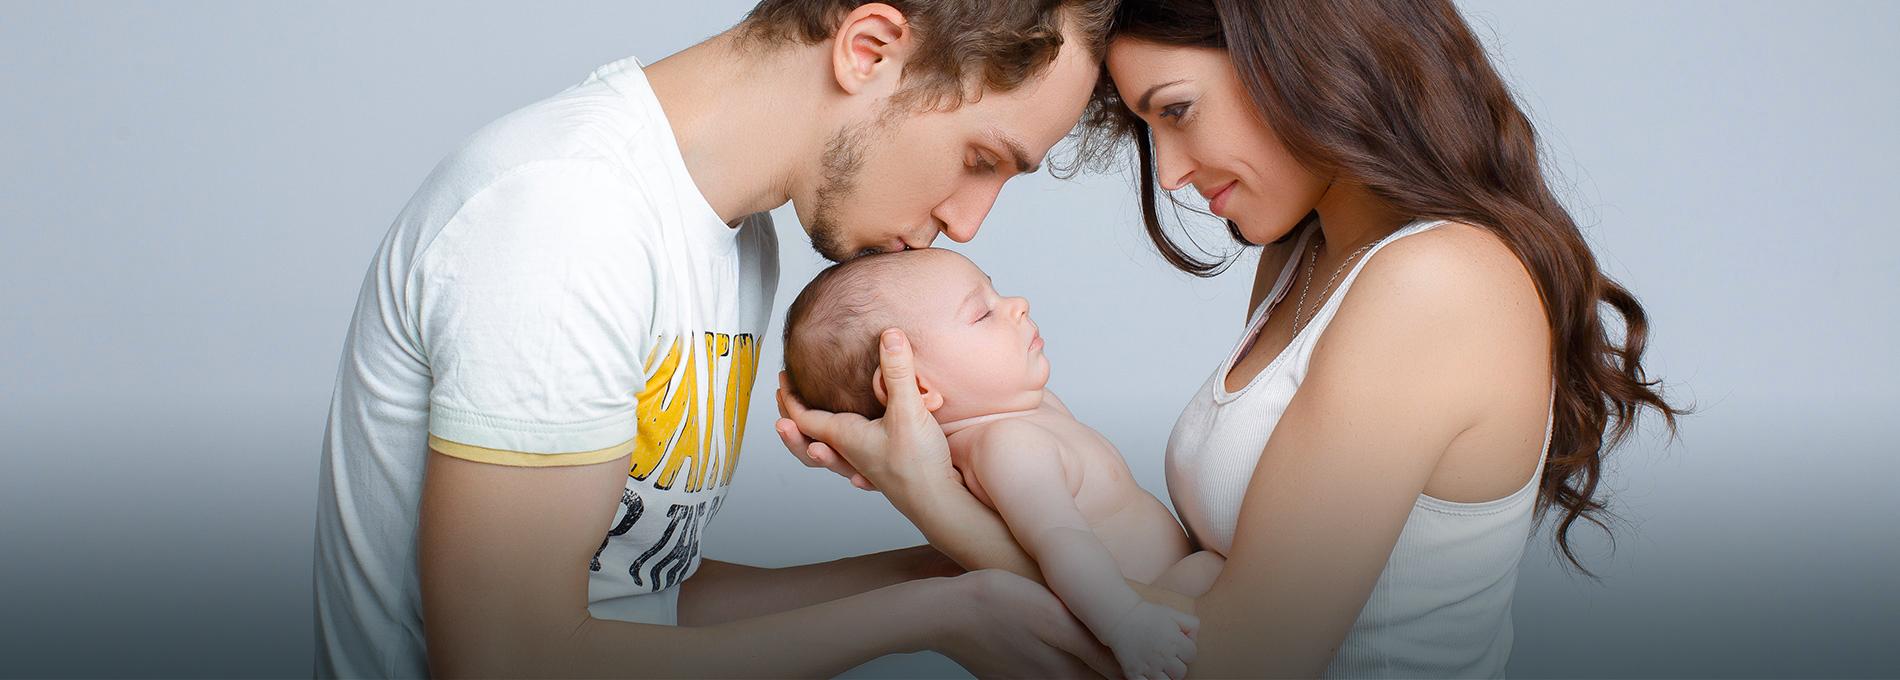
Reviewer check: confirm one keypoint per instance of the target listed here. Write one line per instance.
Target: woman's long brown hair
(1399, 96)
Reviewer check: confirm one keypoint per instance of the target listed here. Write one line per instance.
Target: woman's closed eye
(1177, 111)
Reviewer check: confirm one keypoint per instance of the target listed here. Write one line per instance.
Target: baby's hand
(1153, 642)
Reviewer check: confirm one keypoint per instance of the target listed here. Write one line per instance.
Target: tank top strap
(1550, 428)
(1324, 315)
(1285, 281)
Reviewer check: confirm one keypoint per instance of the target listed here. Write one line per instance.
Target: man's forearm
(817, 641)
(723, 591)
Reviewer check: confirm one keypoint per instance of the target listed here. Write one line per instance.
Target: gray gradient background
(191, 192)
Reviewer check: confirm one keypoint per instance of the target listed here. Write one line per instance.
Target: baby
(981, 371)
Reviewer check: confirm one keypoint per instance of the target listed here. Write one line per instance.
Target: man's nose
(960, 217)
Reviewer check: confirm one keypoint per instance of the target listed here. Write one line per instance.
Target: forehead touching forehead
(1030, 119)
(1022, 119)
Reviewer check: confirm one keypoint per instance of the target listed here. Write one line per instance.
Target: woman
(1424, 366)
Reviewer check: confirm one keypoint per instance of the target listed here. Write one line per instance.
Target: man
(545, 383)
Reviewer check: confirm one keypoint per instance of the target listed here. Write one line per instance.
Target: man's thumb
(900, 378)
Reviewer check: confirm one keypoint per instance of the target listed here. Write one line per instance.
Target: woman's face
(1207, 134)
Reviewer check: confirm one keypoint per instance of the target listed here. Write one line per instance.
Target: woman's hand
(897, 451)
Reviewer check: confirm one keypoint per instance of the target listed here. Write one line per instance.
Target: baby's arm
(1021, 469)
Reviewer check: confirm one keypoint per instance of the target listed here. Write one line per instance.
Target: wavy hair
(1399, 95)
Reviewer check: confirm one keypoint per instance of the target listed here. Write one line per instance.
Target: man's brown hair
(995, 45)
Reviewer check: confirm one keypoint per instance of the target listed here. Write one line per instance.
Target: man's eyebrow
(1017, 153)
(1141, 105)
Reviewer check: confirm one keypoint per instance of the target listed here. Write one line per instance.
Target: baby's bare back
(1136, 527)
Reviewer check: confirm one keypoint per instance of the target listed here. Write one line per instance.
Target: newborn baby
(1062, 488)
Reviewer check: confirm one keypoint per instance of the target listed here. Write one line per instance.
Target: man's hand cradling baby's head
(976, 352)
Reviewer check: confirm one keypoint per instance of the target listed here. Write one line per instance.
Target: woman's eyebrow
(1141, 105)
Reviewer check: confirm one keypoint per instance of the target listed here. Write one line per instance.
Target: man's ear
(933, 399)
(870, 48)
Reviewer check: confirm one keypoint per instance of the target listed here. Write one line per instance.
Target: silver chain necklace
(1324, 292)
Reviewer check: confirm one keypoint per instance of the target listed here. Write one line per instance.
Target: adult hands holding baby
(897, 452)
(1011, 626)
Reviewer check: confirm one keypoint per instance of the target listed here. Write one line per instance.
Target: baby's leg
(1193, 575)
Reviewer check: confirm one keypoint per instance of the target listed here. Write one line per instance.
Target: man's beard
(843, 159)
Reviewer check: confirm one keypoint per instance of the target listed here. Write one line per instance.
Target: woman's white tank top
(1442, 605)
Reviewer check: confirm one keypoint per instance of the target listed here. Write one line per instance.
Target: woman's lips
(1217, 203)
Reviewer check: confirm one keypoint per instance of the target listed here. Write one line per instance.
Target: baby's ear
(933, 399)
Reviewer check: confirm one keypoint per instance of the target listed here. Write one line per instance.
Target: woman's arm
(1420, 349)
(1193, 575)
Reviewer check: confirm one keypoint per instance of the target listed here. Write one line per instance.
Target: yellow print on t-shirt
(673, 432)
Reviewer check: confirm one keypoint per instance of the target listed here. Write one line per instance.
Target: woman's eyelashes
(1176, 111)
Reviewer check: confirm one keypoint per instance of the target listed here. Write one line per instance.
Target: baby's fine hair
(831, 334)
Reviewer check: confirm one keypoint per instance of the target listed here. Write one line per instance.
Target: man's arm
(720, 592)
(503, 594)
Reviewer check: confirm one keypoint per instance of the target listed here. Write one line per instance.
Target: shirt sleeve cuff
(520, 459)
(499, 440)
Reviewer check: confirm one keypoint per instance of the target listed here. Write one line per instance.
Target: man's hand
(1014, 628)
(903, 448)
(808, 451)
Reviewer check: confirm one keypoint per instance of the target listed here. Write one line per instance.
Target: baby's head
(976, 352)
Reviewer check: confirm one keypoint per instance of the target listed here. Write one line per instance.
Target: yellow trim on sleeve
(519, 459)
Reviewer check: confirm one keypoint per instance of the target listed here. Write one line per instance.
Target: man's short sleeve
(533, 306)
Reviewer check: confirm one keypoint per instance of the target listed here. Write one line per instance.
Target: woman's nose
(1173, 169)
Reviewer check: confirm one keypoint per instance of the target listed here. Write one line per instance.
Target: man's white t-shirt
(557, 293)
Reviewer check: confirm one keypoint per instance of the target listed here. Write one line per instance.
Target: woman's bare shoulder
(1455, 308)
(1460, 267)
